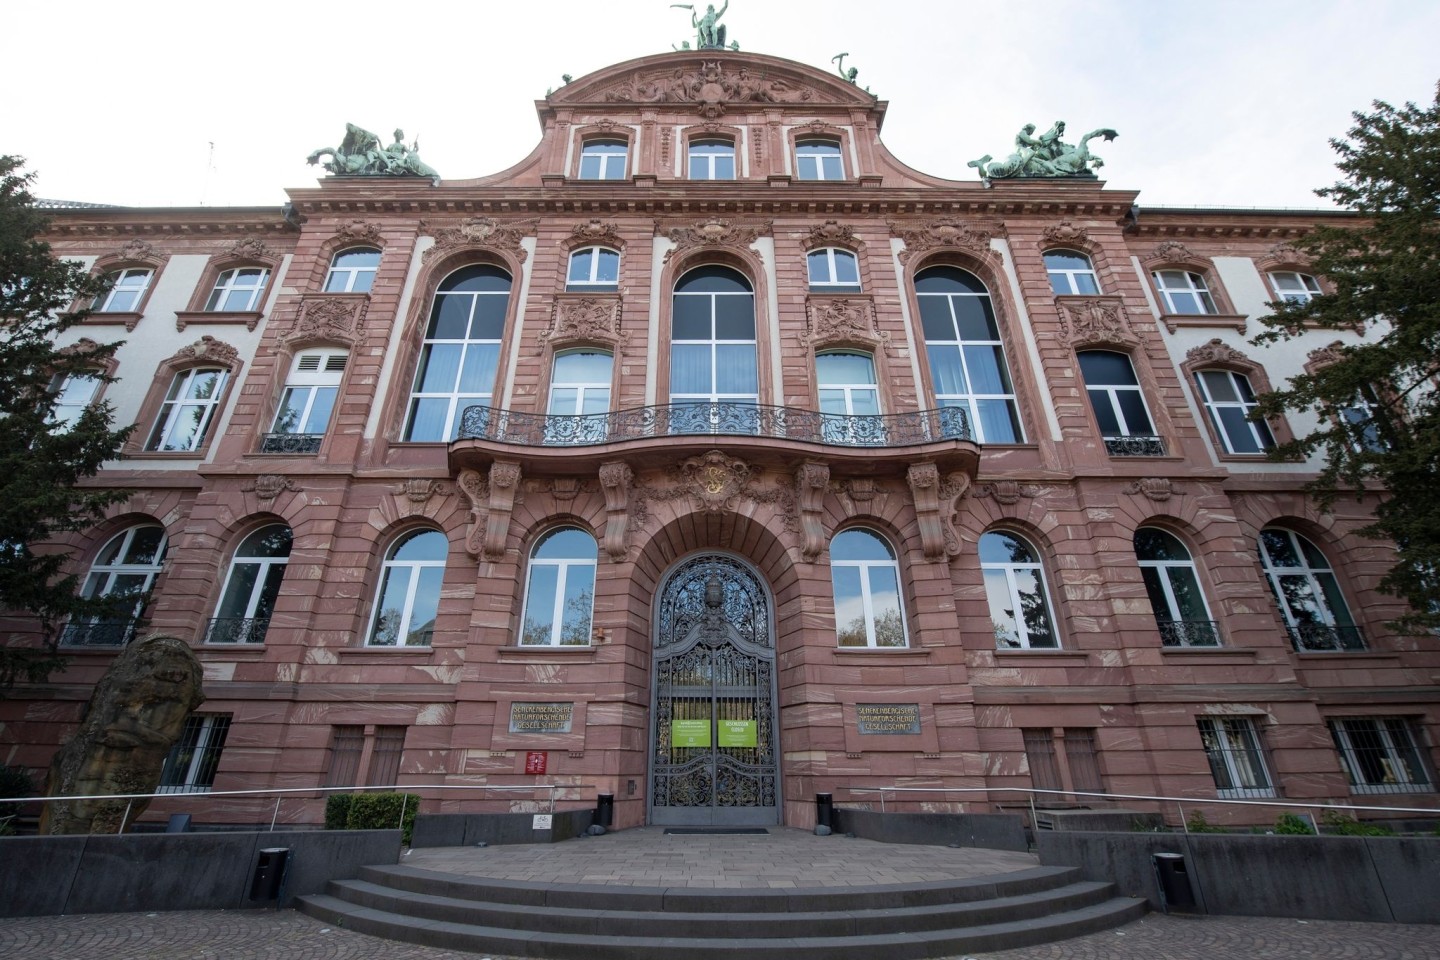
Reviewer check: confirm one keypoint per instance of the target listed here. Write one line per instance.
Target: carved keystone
(935, 508)
(811, 482)
(615, 480)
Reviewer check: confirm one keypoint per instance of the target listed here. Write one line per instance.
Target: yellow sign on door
(737, 733)
(689, 733)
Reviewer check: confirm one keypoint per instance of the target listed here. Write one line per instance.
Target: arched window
(1305, 587)
(712, 160)
(124, 571)
(560, 590)
(967, 360)
(1229, 400)
(866, 579)
(1071, 272)
(461, 353)
(353, 270)
(1174, 590)
(712, 343)
(1015, 588)
(127, 288)
(833, 270)
(251, 587)
(1119, 405)
(1294, 287)
(594, 268)
(603, 160)
(1183, 292)
(818, 160)
(409, 595)
(189, 407)
(238, 290)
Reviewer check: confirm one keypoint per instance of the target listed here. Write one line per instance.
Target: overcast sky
(1218, 102)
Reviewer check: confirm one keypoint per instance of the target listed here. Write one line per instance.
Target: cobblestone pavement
(287, 935)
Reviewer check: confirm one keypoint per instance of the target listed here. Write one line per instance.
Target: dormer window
(603, 160)
(818, 160)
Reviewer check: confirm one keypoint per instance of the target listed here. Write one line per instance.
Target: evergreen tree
(1379, 403)
(42, 458)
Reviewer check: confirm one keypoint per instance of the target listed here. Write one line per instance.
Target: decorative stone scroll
(420, 490)
(1158, 489)
(358, 231)
(1009, 492)
(492, 499)
(1174, 253)
(595, 230)
(831, 233)
(249, 248)
(935, 508)
(812, 481)
(615, 480)
(1216, 351)
(714, 232)
(1283, 254)
(971, 237)
(1067, 233)
(207, 348)
(1316, 359)
(137, 251)
(330, 317)
(483, 233)
(713, 483)
(268, 486)
(844, 320)
(1094, 320)
(590, 317)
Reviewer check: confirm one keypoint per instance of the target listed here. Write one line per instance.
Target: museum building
(710, 457)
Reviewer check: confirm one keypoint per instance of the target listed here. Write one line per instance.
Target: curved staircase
(605, 922)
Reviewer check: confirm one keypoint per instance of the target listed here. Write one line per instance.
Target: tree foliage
(1379, 402)
(41, 460)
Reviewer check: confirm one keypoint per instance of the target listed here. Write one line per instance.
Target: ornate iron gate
(713, 737)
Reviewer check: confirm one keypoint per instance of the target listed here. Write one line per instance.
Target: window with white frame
(579, 387)
(1362, 419)
(1236, 763)
(189, 408)
(833, 270)
(1379, 755)
(967, 359)
(866, 580)
(712, 160)
(238, 290)
(123, 571)
(251, 587)
(594, 268)
(409, 595)
(1071, 273)
(560, 590)
(309, 398)
(127, 289)
(461, 352)
(1174, 590)
(353, 270)
(712, 346)
(1119, 404)
(73, 393)
(1015, 590)
(847, 387)
(1294, 287)
(191, 764)
(1183, 292)
(1307, 592)
(603, 160)
(1229, 400)
(818, 160)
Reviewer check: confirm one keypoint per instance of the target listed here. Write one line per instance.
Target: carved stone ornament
(831, 233)
(615, 481)
(589, 317)
(358, 231)
(842, 320)
(80, 348)
(268, 486)
(860, 489)
(207, 348)
(1158, 489)
(136, 249)
(711, 88)
(665, 134)
(1008, 492)
(935, 504)
(714, 481)
(330, 318)
(483, 233)
(1174, 253)
(492, 499)
(715, 232)
(1216, 351)
(1283, 254)
(419, 490)
(812, 481)
(1319, 357)
(942, 233)
(250, 248)
(1094, 320)
(596, 231)
(1066, 232)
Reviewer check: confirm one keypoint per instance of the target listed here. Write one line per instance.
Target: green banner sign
(689, 733)
(737, 733)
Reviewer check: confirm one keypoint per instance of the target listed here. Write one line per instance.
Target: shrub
(1293, 825)
(381, 811)
(1346, 826)
(1198, 824)
(337, 810)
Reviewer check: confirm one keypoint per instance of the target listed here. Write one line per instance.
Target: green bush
(381, 811)
(1198, 824)
(16, 782)
(1293, 825)
(337, 810)
(1346, 826)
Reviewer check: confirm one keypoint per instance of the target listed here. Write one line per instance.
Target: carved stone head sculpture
(135, 716)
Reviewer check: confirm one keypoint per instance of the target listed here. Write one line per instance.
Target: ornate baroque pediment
(597, 231)
(585, 317)
(358, 231)
(1216, 351)
(712, 87)
(831, 233)
(714, 232)
(481, 233)
(207, 348)
(1066, 232)
(842, 320)
(961, 234)
(250, 248)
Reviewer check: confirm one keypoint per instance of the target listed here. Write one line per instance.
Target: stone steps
(596, 922)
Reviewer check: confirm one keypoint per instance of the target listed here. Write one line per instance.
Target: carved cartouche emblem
(714, 478)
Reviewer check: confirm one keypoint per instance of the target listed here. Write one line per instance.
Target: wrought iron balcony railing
(1189, 633)
(291, 443)
(1325, 637)
(1135, 446)
(716, 419)
(237, 630)
(116, 632)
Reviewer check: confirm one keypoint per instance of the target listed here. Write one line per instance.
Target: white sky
(1218, 102)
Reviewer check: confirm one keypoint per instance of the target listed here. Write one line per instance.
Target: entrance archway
(714, 756)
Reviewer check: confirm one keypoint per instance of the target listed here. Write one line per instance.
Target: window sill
(129, 318)
(870, 653)
(185, 318)
(1210, 654)
(576, 654)
(1204, 321)
(1349, 656)
(1069, 658)
(415, 654)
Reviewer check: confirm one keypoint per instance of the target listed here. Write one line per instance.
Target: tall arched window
(1070, 273)
(409, 595)
(967, 360)
(560, 590)
(251, 587)
(1015, 589)
(1174, 590)
(866, 579)
(1315, 612)
(712, 343)
(461, 353)
(353, 270)
(124, 571)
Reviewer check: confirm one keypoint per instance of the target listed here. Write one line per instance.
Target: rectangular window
(187, 412)
(191, 764)
(1379, 755)
(305, 408)
(385, 756)
(1083, 760)
(1233, 749)
(1040, 752)
(347, 743)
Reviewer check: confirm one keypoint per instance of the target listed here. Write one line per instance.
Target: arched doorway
(714, 756)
